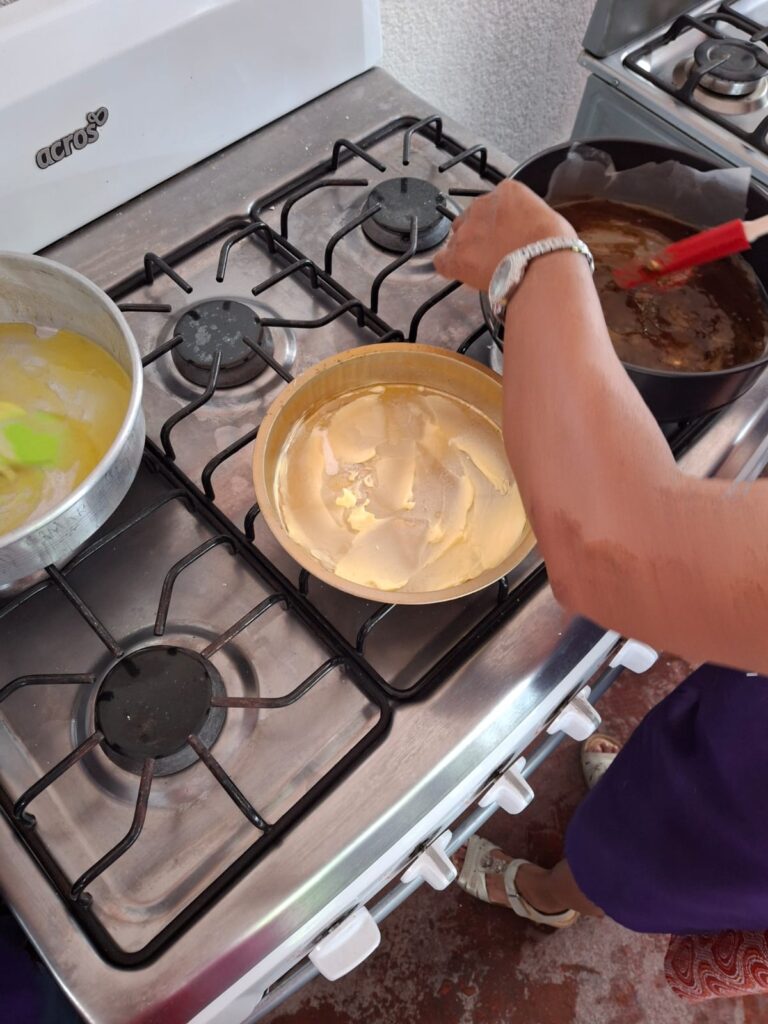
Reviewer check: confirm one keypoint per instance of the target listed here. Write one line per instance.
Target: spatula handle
(756, 228)
(704, 247)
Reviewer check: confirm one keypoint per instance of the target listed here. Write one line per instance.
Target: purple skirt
(28, 993)
(674, 837)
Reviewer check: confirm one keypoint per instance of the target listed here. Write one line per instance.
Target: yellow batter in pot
(74, 379)
(400, 487)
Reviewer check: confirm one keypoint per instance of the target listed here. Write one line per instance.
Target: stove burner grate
(151, 701)
(160, 709)
(221, 326)
(401, 202)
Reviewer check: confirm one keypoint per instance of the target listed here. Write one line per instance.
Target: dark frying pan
(672, 396)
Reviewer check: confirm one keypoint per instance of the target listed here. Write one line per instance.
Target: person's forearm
(588, 456)
(629, 540)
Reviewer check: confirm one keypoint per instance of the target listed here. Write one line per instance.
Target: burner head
(220, 325)
(151, 700)
(400, 200)
(742, 65)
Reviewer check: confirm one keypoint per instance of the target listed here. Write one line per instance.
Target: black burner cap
(742, 61)
(402, 199)
(220, 325)
(151, 701)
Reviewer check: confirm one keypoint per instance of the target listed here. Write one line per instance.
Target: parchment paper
(699, 198)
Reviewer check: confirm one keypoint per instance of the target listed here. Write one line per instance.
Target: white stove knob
(635, 656)
(578, 719)
(433, 865)
(347, 945)
(510, 791)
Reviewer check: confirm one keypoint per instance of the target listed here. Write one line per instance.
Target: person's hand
(509, 217)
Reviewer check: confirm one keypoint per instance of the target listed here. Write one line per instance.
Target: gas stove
(199, 648)
(698, 79)
(180, 700)
(176, 847)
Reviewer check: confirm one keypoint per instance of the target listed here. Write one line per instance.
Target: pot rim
(670, 374)
(134, 401)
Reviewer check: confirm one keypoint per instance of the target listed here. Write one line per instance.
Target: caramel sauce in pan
(716, 320)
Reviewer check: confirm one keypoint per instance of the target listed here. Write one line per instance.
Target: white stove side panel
(180, 80)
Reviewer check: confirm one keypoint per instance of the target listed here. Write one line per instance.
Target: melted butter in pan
(400, 488)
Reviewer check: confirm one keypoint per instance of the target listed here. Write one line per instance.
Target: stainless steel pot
(39, 291)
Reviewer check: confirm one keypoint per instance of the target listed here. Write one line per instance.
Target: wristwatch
(511, 270)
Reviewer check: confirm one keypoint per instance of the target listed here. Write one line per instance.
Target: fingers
(457, 259)
(457, 223)
(505, 219)
(469, 254)
(444, 259)
(447, 261)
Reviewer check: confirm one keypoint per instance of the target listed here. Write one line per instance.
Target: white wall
(505, 68)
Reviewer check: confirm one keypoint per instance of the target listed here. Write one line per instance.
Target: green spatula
(27, 438)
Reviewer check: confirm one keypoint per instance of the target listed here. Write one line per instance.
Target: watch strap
(527, 253)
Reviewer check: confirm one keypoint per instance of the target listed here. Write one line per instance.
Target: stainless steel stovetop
(344, 723)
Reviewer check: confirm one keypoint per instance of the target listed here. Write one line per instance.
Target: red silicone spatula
(705, 247)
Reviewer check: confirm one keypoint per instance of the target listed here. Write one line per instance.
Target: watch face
(505, 279)
(497, 290)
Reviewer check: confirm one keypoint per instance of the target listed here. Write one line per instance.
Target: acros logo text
(64, 147)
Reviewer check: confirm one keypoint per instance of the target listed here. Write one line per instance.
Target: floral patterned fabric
(700, 967)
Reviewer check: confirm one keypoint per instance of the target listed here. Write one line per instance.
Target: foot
(597, 755)
(601, 745)
(528, 875)
(494, 878)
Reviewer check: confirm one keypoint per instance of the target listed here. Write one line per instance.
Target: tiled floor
(446, 959)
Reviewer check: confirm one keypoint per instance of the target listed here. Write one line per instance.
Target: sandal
(595, 763)
(479, 863)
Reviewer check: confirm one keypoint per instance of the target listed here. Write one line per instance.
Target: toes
(601, 744)
(459, 857)
(606, 746)
(500, 855)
